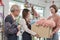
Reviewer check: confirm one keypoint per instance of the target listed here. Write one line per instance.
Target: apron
(25, 35)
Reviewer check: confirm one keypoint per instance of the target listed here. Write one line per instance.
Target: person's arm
(23, 23)
(9, 28)
(58, 27)
(34, 12)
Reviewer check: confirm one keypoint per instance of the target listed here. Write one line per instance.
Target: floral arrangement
(45, 22)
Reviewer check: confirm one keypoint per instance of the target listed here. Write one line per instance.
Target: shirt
(25, 28)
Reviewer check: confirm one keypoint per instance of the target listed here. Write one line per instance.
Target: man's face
(17, 12)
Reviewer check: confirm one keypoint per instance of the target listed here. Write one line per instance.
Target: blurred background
(41, 6)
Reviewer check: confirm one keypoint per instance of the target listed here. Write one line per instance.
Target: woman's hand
(18, 33)
(37, 35)
(51, 35)
(18, 27)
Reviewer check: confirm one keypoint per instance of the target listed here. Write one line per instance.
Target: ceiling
(42, 2)
(50, 0)
(46, 1)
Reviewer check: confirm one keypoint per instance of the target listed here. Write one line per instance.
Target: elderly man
(11, 27)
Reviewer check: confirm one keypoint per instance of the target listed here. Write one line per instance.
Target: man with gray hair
(11, 27)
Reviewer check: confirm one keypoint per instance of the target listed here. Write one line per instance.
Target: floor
(34, 38)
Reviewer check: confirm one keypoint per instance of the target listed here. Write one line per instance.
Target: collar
(13, 16)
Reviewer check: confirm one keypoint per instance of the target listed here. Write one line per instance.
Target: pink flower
(50, 23)
(40, 22)
(44, 22)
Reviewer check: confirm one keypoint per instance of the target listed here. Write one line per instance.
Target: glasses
(17, 10)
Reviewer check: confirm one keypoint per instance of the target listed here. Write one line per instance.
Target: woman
(25, 23)
(56, 19)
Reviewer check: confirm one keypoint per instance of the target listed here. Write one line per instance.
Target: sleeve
(10, 28)
(23, 23)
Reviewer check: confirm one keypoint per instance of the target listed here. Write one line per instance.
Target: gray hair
(14, 7)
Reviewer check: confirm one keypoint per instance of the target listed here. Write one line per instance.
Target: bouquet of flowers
(40, 22)
(45, 22)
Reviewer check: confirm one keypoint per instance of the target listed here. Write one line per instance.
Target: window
(40, 10)
(59, 11)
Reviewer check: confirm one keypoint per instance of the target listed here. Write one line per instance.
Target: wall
(47, 10)
(37, 2)
(46, 5)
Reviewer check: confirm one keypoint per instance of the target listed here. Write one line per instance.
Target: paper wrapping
(43, 32)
